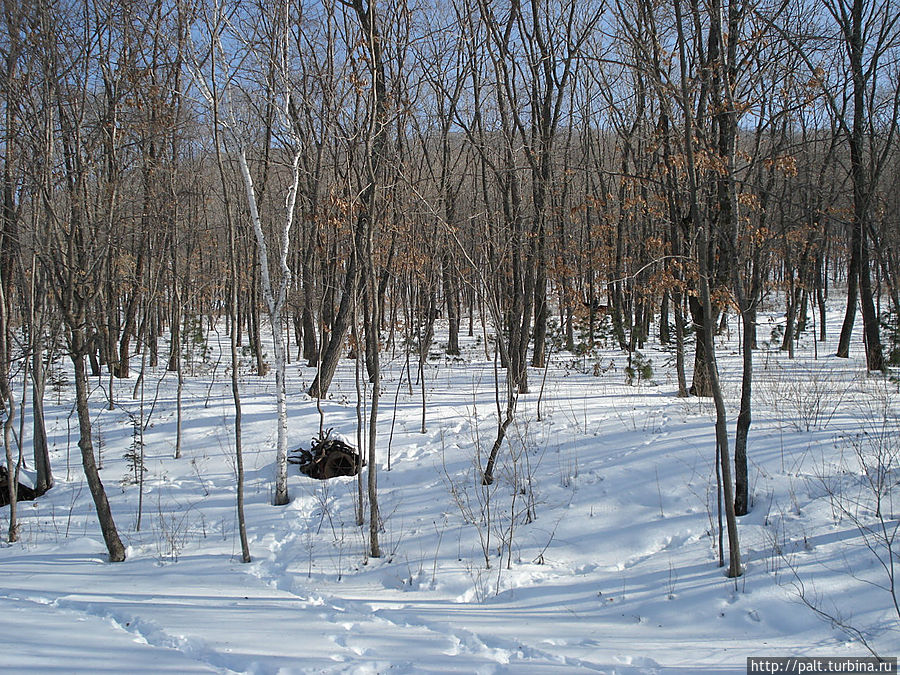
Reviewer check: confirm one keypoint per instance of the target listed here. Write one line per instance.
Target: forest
(375, 184)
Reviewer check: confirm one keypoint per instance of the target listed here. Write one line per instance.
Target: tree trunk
(678, 303)
(372, 335)
(8, 404)
(371, 328)
(487, 476)
(236, 397)
(700, 384)
(541, 311)
(705, 309)
(275, 300)
(741, 479)
(451, 301)
(234, 329)
(859, 274)
(310, 337)
(85, 443)
(871, 325)
(820, 295)
(174, 363)
(123, 363)
(44, 477)
(331, 353)
(153, 334)
(664, 336)
(734, 551)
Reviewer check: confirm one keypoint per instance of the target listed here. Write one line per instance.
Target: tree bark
(741, 477)
(703, 260)
(8, 405)
(85, 443)
(275, 300)
(700, 384)
(859, 274)
(43, 475)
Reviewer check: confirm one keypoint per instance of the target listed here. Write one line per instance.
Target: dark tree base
(23, 493)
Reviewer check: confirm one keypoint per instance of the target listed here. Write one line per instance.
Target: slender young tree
(8, 406)
(214, 24)
(869, 32)
(264, 41)
(37, 313)
(76, 250)
(11, 21)
(275, 301)
(377, 127)
(704, 272)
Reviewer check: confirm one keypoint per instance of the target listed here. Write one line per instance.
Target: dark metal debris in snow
(327, 458)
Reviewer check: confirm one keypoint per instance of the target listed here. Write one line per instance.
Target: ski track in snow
(59, 614)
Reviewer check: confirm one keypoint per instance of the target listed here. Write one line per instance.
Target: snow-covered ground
(594, 550)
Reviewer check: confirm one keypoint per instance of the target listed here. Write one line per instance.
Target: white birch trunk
(275, 303)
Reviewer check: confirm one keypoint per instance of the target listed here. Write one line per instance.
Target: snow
(615, 570)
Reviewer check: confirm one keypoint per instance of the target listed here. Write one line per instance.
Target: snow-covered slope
(594, 550)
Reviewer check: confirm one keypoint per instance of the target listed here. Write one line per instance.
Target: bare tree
(10, 88)
(271, 30)
(76, 250)
(8, 401)
(377, 125)
(869, 31)
(703, 237)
